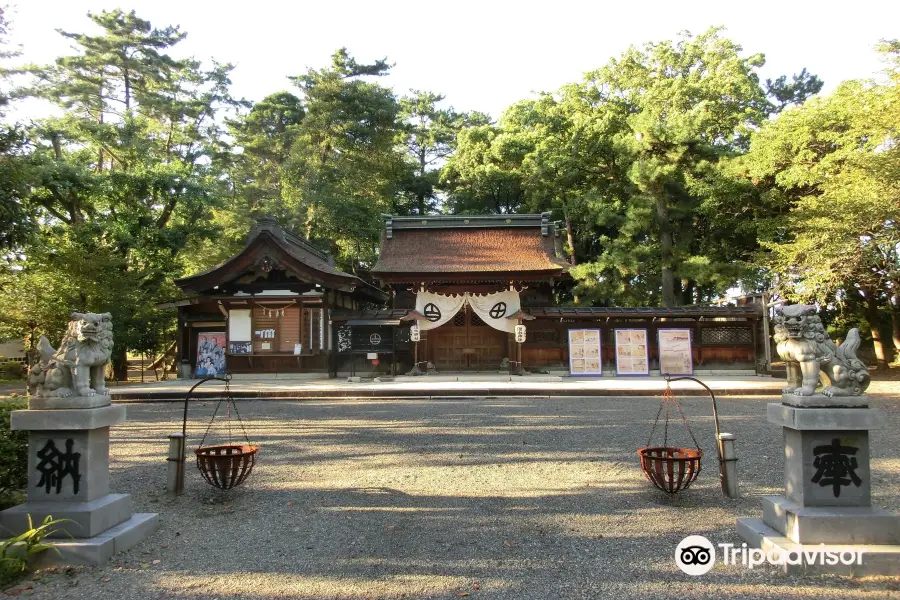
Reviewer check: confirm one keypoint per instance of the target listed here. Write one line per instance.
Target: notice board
(631, 352)
(675, 352)
(584, 352)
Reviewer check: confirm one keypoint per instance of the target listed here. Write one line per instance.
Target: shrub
(12, 370)
(17, 552)
(13, 455)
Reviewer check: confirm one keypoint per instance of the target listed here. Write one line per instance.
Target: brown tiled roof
(461, 250)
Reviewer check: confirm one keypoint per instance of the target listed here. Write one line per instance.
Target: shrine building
(462, 285)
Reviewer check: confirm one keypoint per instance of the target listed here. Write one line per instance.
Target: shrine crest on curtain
(493, 309)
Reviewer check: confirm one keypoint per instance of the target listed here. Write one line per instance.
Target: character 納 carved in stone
(79, 366)
(54, 465)
(811, 357)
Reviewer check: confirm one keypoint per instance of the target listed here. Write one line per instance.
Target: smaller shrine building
(266, 309)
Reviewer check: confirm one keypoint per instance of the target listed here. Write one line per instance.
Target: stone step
(99, 549)
(87, 519)
(877, 559)
(830, 525)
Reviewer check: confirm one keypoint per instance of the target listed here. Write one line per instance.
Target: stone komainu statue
(811, 357)
(79, 366)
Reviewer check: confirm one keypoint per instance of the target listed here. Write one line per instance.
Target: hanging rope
(229, 404)
(668, 399)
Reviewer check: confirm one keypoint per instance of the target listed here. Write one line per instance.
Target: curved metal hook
(226, 379)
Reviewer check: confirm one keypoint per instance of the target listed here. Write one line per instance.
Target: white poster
(585, 355)
(239, 325)
(631, 352)
(675, 352)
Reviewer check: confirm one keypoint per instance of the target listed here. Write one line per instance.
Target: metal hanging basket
(670, 468)
(228, 465)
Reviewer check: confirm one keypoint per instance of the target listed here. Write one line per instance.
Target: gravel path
(511, 498)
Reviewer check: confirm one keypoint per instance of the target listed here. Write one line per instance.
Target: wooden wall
(715, 344)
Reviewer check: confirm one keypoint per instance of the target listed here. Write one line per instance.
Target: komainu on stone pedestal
(812, 358)
(78, 367)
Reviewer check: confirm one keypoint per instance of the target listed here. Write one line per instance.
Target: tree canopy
(677, 173)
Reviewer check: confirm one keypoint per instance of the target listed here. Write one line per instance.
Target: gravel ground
(510, 498)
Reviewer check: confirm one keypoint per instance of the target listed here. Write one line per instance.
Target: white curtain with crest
(437, 308)
(493, 309)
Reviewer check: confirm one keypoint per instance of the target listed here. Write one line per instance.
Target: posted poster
(210, 354)
(241, 347)
(584, 352)
(675, 352)
(631, 352)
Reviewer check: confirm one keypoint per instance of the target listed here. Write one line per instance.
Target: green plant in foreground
(16, 552)
(13, 455)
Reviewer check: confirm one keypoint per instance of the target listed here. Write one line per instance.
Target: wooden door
(466, 343)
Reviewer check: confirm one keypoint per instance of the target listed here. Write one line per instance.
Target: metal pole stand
(729, 465)
(176, 463)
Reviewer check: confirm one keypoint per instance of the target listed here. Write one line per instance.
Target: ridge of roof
(289, 237)
(291, 243)
(396, 223)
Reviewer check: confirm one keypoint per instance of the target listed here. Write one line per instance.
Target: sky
(481, 55)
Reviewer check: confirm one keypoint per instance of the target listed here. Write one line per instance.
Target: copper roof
(469, 245)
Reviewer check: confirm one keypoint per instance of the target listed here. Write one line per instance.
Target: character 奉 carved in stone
(79, 366)
(811, 357)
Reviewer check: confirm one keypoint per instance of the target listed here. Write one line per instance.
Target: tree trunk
(895, 325)
(570, 236)
(687, 292)
(872, 317)
(120, 364)
(666, 244)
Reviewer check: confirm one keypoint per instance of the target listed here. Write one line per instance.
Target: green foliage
(344, 170)
(11, 370)
(429, 134)
(13, 455)
(834, 163)
(121, 182)
(16, 553)
(637, 161)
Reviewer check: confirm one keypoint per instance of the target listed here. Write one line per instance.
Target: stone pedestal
(68, 478)
(827, 485)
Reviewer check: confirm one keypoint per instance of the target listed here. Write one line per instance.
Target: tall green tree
(688, 104)
(483, 175)
(17, 220)
(344, 168)
(639, 161)
(429, 136)
(262, 141)
(835, 162)
(129, 173)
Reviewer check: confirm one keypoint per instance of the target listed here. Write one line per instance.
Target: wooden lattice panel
(726, 336)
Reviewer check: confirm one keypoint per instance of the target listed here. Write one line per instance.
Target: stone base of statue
(827, 484)
(68, 478)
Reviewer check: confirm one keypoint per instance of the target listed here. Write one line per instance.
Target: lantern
(414, 333)
(520, 333)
